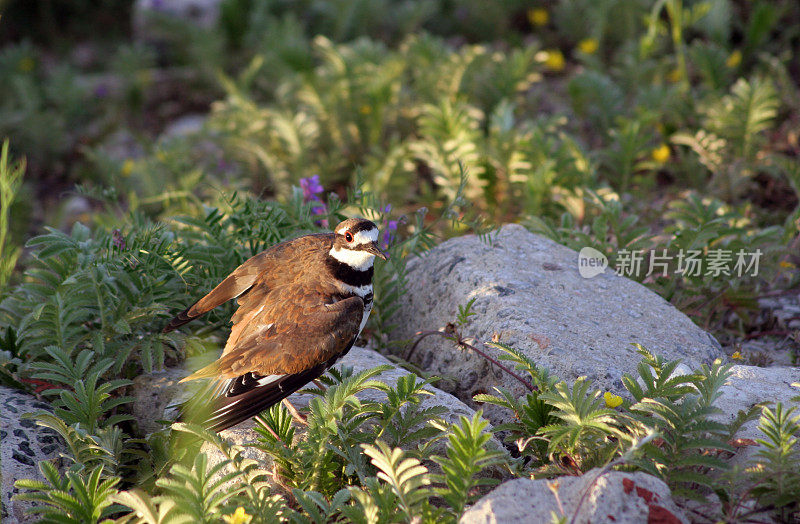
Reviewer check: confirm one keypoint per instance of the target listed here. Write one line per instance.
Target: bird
(301, 305)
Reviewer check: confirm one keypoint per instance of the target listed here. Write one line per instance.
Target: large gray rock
(528, 291)
(751, 385)
(612, 497)
(24, 445)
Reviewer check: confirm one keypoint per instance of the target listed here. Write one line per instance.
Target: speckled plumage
(300, 310)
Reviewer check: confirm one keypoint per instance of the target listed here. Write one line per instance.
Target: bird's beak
(375, 250)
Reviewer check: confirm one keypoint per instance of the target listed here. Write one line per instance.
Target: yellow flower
(588, 46)
(612, 400)
(554, 60)
(734, 59)
(238, 517)
(785, 264)
(26, 65)
(737, 355)
(538, 17)
(675, 75)
(365, 109)
(660, 154)
(127, 167)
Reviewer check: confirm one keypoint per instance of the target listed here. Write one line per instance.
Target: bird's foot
(301, 419)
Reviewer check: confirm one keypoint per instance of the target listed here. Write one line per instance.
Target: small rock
(152, 394)
(121, 145)
(200, 13)
(571, 325)
(24, 445)
(75, 208)
(750, 385)
(184, 126)
(612, 497)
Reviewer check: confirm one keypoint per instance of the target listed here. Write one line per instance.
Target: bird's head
(356, 243)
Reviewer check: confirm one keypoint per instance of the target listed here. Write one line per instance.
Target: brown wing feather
(308, 334)
(262, 270)
(234, 285)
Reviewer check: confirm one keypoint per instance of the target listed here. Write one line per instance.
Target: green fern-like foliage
(467, 456)
(774, 471)
(406, 476)
(588, 431)
(79, 496)
(402, 421)
(89, 399)
(658, 378)
(745, 114)
(199, 492)
(531, 412)
(328, 458)
(680, 410)
(452, 131)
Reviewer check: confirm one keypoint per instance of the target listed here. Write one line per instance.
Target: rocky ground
(528, 294)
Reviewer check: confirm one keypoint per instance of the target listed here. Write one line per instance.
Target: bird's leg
(322, 387)
(295, 414)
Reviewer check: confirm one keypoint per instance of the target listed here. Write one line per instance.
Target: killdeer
(302, 304)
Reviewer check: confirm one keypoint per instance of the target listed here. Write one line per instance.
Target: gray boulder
(529, 294)
(611, 497)
(751, 385)
(24, 445)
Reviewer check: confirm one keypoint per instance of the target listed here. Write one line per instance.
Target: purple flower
(387, 209)
(223, 166)
(118, 239)
(101, 91)
(311, 188)
(389, 230)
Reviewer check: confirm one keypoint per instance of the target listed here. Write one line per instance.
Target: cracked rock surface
(24, 445)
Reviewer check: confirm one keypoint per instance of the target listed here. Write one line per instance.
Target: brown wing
(306, 334)
(273, 361)
(236, 284)
(262, 271)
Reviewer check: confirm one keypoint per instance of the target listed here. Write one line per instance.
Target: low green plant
(680, 408)
(79, 496)
(11, 173)
(359, 477)
(773, 472)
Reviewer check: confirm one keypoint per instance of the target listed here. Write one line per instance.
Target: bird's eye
(348, 236)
